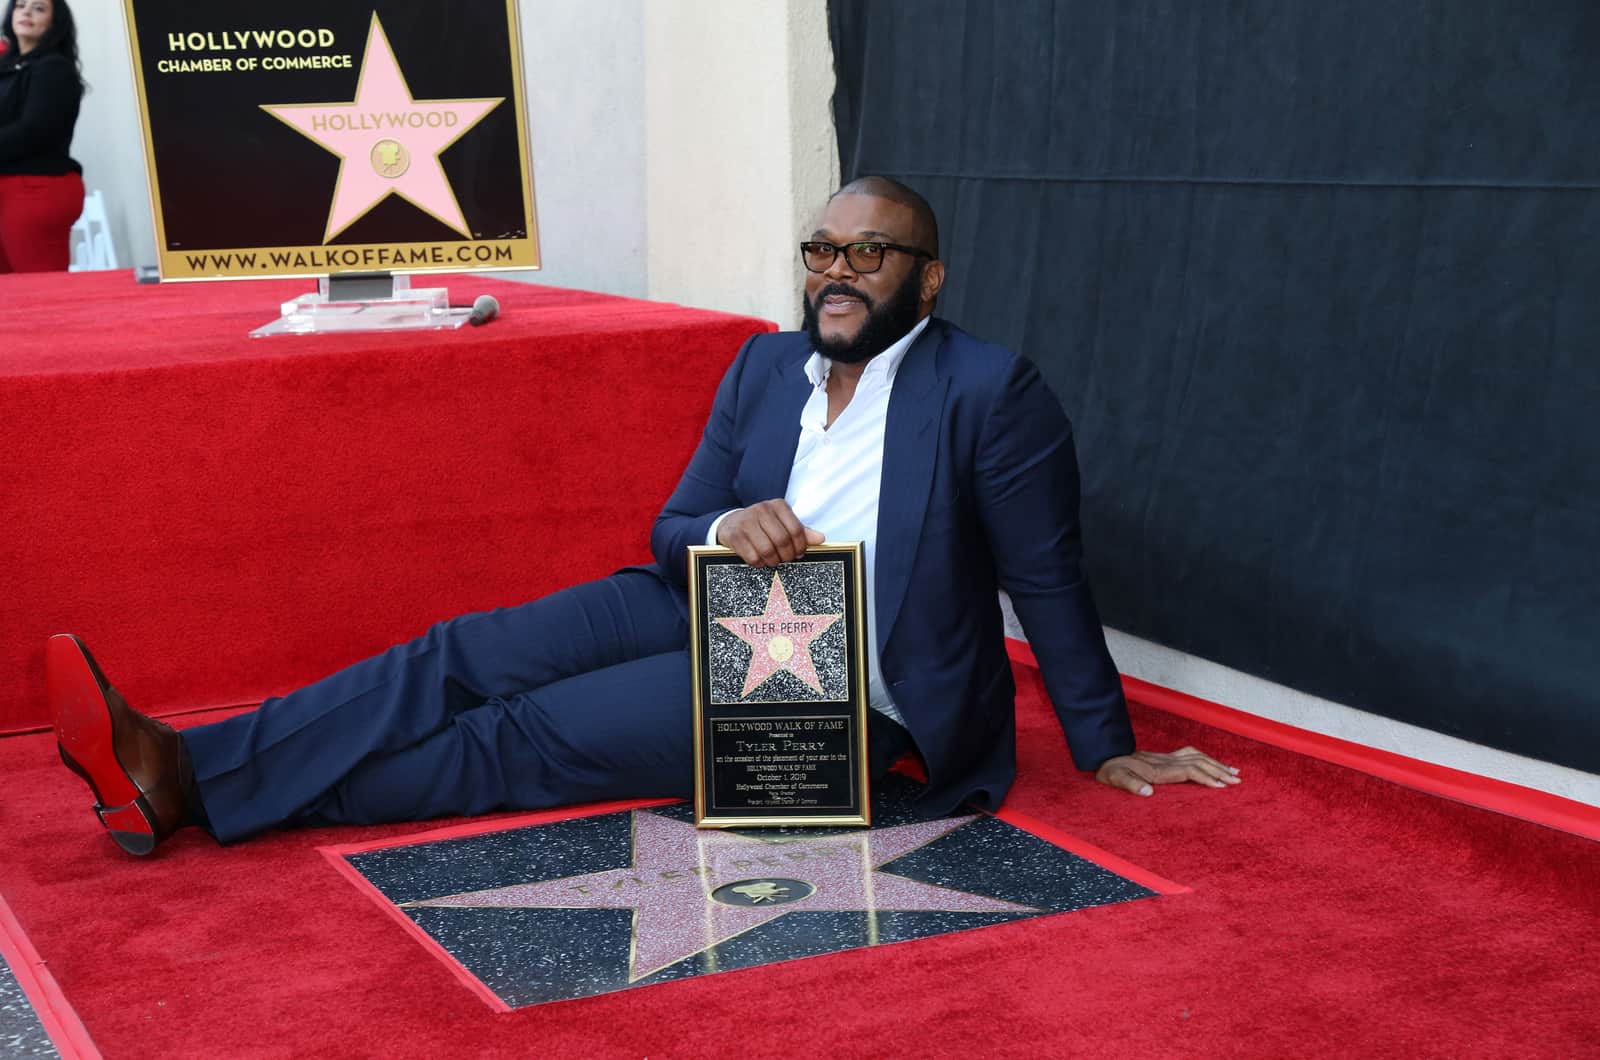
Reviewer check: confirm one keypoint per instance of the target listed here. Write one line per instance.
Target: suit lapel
(910, 449)
(775, 433)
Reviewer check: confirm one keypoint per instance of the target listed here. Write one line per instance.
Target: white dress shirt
(834, 484)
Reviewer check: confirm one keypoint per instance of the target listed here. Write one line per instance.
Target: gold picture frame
(778, 657)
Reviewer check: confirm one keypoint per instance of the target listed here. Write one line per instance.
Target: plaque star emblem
(388, 142)
(779, 639)
(676, 868)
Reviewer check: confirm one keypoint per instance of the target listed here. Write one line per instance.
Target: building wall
(741, 151)
(584, 64)
(107, 140)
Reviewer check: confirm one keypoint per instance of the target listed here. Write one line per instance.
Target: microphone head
(484, 309)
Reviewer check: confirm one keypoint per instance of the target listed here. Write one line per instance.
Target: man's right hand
(766, 534)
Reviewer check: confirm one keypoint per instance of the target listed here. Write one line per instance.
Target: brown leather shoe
(135, 765)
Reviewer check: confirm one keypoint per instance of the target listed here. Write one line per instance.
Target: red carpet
(1330, 914)
(169, 480)
(223, 519)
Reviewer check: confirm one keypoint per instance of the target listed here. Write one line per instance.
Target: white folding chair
(91, 237)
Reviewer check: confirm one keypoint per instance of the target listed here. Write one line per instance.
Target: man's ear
(932, 280)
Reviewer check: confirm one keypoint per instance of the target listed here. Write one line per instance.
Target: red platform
(224, 518)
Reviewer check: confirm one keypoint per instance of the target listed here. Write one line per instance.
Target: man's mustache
(841, 289)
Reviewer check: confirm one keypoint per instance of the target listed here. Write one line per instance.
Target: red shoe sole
(86, 742)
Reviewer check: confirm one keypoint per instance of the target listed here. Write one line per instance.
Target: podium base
(365, 302)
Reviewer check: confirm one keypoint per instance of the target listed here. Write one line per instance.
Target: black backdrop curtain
(1318, 282)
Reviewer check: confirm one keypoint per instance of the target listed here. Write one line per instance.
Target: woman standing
(41, 187)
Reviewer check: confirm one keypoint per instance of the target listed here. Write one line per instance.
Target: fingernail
(1147, 790)
(1233, 769)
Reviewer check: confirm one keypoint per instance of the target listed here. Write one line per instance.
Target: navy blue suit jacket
(979, 493)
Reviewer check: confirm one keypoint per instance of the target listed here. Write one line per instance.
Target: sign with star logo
(780, 701)
(302, 138)
(529, 913)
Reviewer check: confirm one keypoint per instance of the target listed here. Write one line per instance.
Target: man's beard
(886, 322)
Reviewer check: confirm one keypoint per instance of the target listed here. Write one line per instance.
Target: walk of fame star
(531, 913)
(388, 142)
(677, 868)
(779, 639)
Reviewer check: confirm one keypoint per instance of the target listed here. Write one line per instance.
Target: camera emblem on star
(390, 158)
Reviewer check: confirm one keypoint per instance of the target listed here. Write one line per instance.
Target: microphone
(484, 309)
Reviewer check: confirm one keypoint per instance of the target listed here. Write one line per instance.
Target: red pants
(36, 215)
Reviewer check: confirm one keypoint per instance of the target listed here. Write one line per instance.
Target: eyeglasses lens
(862, 257)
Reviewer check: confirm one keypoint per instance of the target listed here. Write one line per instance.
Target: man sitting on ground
(948, 457)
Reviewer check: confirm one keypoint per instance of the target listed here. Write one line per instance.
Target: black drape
(1318, 282)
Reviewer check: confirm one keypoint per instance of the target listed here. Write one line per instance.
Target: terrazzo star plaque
(780, 701)
(569, 908)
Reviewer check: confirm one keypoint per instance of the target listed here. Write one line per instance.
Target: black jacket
(39, 99)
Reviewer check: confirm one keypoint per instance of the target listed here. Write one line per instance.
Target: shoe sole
(86, 742)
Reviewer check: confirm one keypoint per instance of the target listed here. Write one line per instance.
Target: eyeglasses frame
(844, 248)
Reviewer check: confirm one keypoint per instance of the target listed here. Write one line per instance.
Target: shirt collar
(886, 364)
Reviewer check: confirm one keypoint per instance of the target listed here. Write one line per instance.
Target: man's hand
(766, 534)
(1142, 769)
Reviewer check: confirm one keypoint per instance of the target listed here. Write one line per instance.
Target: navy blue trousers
(581, 695)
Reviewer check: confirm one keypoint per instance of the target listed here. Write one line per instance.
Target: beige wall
(740, 149)
(107, 140)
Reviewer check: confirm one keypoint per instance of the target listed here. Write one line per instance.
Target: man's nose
(840, 267)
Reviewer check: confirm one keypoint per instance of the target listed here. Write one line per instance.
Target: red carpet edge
(1089, 852)
(61, 1023)
(1487, 793)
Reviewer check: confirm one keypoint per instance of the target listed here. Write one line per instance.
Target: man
(949, 458)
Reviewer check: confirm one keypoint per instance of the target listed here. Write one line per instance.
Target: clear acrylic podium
(368, 301)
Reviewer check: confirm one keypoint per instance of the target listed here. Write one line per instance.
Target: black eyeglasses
(819, 255)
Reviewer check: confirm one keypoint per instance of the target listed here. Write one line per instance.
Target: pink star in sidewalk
(387, 141)
(779, 639)
(677, 870)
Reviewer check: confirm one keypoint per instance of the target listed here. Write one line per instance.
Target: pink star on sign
(387, 142)
(779, 639)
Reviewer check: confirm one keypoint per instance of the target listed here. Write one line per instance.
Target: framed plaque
(780, 688)
(304, 138)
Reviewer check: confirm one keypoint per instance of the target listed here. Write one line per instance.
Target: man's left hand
(1140, 771)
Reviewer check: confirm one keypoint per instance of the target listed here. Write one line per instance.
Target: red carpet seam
(60, 1022)
(1513, 800)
